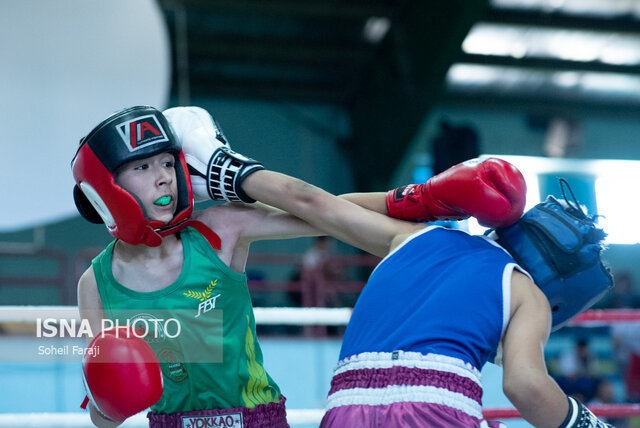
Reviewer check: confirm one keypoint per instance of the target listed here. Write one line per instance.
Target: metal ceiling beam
(356, 9)
(560, 21)
(550, 64)
(269, 90)
(278, 51)
(540, 104)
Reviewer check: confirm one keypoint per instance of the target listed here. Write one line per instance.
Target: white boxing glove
(217, 172)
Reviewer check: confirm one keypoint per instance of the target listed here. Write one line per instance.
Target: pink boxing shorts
(405, 389)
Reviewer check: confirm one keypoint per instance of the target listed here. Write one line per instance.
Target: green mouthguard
(163, 201)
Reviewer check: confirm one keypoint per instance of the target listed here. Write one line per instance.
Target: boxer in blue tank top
(406, 304)
(443, 303)
(431, 315)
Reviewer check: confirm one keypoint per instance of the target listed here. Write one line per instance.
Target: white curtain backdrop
(64, 66)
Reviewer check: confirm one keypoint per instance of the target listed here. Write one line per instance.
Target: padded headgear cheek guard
(131, 134)
(560, 246)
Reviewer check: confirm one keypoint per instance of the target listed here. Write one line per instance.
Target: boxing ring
(291, 317)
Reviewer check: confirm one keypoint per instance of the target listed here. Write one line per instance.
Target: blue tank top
(441, 291)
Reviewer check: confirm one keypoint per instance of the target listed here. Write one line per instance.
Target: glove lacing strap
(581, 417)
(226, 171)
(574, 205)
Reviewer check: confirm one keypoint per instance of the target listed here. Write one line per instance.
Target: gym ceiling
(387, 62)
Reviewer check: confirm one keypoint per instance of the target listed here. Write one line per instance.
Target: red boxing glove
(121, 374)
(492, 190)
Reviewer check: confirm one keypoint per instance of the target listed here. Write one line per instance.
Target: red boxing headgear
(131, 134)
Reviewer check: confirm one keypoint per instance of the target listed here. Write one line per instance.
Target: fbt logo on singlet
(141, 132)
(229, 420)
(207, 300)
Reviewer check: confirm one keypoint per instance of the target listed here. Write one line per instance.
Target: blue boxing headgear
(560, 246)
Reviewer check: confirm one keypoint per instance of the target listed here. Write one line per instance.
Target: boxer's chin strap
(209, 234)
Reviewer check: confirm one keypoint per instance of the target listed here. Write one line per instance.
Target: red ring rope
(606, 316)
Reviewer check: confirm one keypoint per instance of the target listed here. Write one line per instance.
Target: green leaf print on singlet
(257, 390)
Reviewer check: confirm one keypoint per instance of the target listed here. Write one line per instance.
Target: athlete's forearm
(374, 201)
(357, 226)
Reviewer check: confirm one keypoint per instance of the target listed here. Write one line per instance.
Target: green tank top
(201, 328)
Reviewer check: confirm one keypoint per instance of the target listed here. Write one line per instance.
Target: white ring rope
(81, 420)
(264, 316)
(295, 316)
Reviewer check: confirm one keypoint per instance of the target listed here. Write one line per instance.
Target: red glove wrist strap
(405, 203)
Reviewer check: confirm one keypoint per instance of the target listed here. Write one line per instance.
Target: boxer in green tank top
(213, 306)
(158, 267)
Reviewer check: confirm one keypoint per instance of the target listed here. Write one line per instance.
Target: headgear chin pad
(130, 134)
(560, 246)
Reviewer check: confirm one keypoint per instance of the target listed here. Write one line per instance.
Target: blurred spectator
(605, 394)
(580, 361)
(323, 248)
(626, 344)
(626, 293)
(623, 295)
(454, 144)
(578, 372)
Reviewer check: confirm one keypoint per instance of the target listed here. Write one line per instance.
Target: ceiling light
(518, 41)
(600, 8)
(375, 29)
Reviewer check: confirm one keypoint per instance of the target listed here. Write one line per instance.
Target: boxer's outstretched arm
(491, 190)
(353, 224)
(374, 201)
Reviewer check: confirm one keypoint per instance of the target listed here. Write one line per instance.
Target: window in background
(620, 206)
(614, 185)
